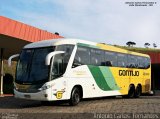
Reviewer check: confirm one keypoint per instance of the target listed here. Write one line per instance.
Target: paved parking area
(144, 104)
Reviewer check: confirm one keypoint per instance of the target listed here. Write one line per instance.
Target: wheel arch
(131, 85)
(140, 85)
(80, 88)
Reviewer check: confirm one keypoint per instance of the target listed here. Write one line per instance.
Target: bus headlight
(44, 87)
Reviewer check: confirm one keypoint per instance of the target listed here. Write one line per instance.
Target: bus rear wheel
(75, 97)
(137, 92)
(131, 91)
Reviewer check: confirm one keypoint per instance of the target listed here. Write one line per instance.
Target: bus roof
(55, 42)
(61, 41)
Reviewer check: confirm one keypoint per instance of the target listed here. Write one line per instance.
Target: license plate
(27, 96)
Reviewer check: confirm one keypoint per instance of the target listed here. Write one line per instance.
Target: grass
(138, 49)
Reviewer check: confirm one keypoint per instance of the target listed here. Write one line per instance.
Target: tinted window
(91, 56)
(122, 60)
(140, 62)
(58, 66)
(111, 59)
(97, 57)
(132, 61)
(67, 48)
(147, 63)
(82, 57)
(61, 60)
(31, 67)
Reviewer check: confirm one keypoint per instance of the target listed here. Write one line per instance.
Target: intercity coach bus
(72, 69)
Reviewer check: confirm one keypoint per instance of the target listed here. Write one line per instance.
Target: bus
(73, 69)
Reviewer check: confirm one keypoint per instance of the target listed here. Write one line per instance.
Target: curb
(6, 95)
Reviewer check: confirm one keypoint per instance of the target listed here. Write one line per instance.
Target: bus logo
(128, 73)
(59, 94)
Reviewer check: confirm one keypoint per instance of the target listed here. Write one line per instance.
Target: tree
(56, 33)
(154, 45)
(130, 43)
(133, 43)
(146, 45)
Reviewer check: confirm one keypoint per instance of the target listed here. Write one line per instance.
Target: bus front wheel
(75, 97)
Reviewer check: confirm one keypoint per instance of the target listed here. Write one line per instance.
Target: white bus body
(47, 71)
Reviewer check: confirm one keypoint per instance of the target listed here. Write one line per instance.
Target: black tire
(137, 92)
(131, 92)
(112, 97)
(75, 97)
(46, 103)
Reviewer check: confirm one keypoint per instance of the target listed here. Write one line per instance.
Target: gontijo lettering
(128, 73)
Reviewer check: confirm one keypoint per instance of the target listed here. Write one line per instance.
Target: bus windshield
(31, 66)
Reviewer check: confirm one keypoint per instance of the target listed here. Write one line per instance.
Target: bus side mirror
(10, 59)
(50, 55)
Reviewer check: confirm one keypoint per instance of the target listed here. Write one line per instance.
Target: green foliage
(8, 88)
(10, 70)
(9, 76)
(137, 49)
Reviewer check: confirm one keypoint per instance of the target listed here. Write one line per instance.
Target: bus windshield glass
(31, 66)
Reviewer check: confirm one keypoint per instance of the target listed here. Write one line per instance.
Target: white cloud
(109, 21)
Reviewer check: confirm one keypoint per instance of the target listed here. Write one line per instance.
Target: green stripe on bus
(109, 78)
(86, 45)
(99, 78)
(104, 78)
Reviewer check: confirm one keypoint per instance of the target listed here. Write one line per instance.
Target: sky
(104, 21)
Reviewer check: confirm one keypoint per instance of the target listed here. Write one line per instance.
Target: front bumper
(41, 96)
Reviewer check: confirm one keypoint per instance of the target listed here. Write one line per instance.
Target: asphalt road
(12, 108)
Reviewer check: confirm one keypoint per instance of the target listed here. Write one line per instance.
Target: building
(14, 35)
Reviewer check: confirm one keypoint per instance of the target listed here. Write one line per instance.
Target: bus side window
(140, 62)
(110, 59)
(67, 48)
(132, 62)
(122, 60)
(108, 63)
(97, 57)
(82, 57)
(146, 63)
